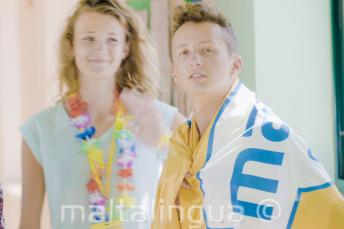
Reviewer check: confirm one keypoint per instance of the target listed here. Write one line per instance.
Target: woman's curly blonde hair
(139, 70)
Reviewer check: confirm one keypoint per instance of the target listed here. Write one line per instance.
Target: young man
(246, 168)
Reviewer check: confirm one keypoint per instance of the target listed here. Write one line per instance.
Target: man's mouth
(197, 76)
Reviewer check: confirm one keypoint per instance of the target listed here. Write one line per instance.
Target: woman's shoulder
(48, 116)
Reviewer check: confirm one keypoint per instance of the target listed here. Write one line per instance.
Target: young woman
(96, 152)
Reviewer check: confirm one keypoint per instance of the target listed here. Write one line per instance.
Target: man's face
(201, 60)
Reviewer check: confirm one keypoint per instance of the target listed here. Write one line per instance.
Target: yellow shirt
(186, 154)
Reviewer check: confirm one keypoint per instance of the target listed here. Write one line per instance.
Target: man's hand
(185, 183)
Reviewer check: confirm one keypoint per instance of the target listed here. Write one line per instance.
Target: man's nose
(195, 60)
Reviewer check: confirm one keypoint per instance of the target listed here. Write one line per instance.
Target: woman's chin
(99, 74)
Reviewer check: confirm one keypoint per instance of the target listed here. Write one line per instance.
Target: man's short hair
(201, 12)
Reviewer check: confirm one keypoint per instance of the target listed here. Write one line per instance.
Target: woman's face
(99, 45)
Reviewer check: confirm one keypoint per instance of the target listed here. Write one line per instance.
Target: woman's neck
(99, 96)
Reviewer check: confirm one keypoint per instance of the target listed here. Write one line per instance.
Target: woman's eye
(112, 40)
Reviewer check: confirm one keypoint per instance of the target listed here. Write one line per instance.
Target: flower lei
(122, 147)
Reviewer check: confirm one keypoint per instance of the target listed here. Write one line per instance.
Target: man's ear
(173, 74)
(237, 64)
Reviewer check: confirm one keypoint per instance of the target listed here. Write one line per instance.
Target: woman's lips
(98, 61)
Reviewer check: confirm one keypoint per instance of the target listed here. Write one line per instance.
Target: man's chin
(197, 92)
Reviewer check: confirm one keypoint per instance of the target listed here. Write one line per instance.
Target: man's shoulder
(182, 132)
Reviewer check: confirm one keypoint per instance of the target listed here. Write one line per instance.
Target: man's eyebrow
(182, 45)
(206, 41)
(201, 42)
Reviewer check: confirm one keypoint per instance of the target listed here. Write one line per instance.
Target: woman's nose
(100, 46)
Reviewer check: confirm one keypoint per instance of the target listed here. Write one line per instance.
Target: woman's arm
(178, 120)
(32, 190)
(149, 123)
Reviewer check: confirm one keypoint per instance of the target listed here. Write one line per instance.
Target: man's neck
(205, 108)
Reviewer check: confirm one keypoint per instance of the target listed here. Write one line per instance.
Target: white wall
(56, 15)
(288, 47)
(294, 69)
(10, 107)
(9, 90)
(241, 15)
(28, 42)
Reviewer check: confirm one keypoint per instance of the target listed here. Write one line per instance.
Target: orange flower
(92, 186)
(123, 187)
(125, 173)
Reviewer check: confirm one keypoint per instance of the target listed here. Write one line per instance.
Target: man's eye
(89, 39)
(184, 53)
(208, 50)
